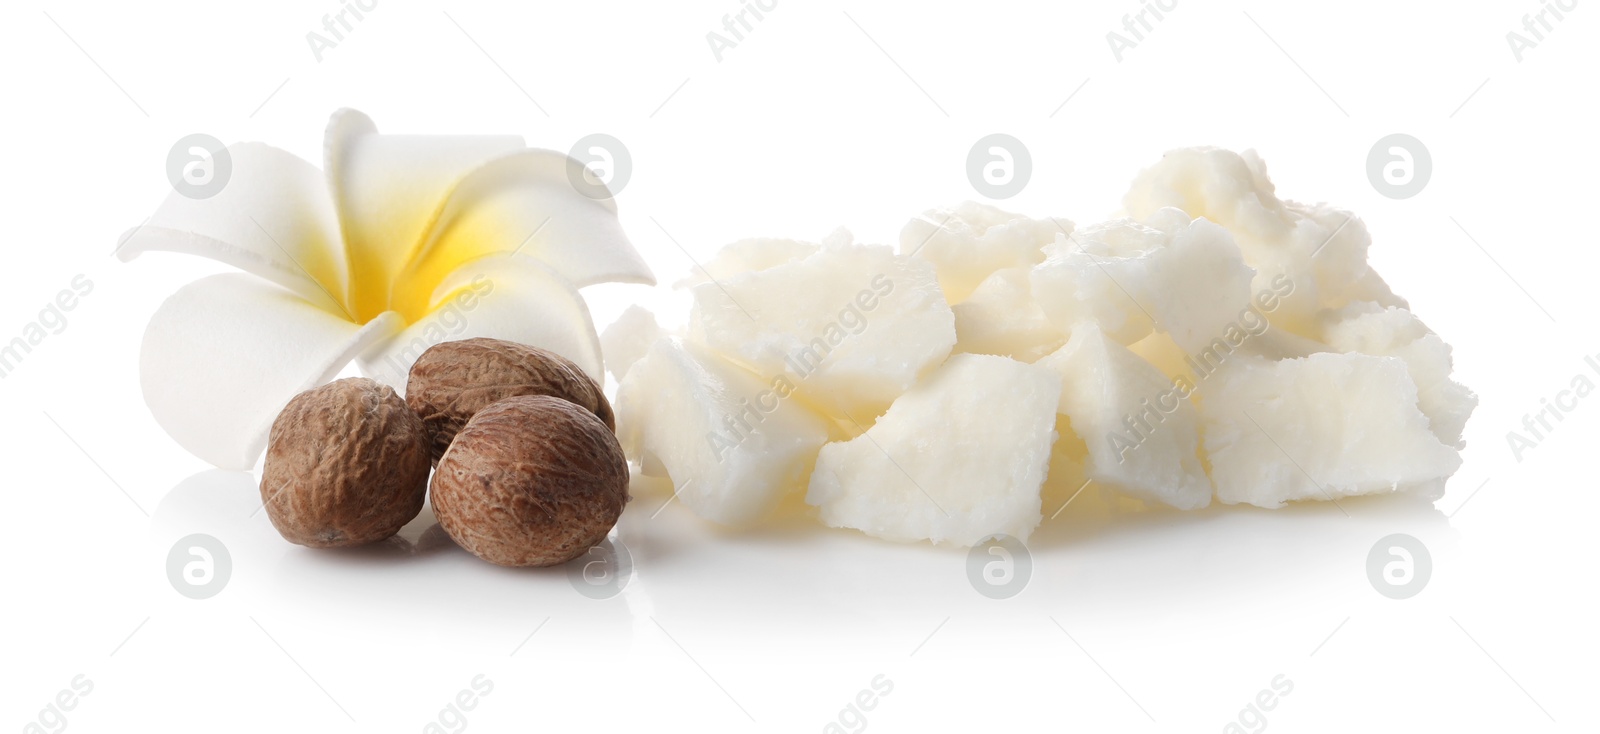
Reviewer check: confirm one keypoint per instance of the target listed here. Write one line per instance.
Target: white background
(828, 114)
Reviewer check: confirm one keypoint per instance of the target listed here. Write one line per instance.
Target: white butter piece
(1319, 428)
(1001, 317)
(627, 339)
(1370, 328)
(853, 326)
(970, 241)
(958, 458)
(1185, 278)
(732, 442)
(1139, 427)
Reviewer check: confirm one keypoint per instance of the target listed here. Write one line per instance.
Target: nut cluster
(452, 381)
(528, 468)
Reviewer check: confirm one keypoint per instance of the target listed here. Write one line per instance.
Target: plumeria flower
(399, 243)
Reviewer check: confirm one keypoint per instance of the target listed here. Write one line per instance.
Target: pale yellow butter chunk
(1322, 250)
(959, 457)
(1168, 273)
(627, 339)
(1321, 427)
(852, 326)
(1139, 427)
(1001, 317)
(968, 242)
(733, 442)
(1370, 328)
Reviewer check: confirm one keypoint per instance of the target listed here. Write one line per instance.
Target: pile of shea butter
(1214, 342)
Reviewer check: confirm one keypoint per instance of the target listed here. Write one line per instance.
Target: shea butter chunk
(1000, 317)
(958, 458)
(1170, 274)
(1322, 427)
(1370, 328)
(627, 339)
(1321, 249)
(732, 441)
(1139, 427)
(968, 242)
(852, 326)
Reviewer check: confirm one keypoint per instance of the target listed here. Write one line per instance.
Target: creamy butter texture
(1214, 342)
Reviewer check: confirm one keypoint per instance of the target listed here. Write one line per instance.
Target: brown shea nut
(347, 464)
(452, 381)
(531, 481)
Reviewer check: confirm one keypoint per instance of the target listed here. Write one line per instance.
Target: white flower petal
(526, 202)
(516, 298)
(274, 218)
(387, 189)
(224, 354)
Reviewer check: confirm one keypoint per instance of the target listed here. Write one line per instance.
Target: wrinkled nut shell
(452, 381)
(347, 464)
(531, 481)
